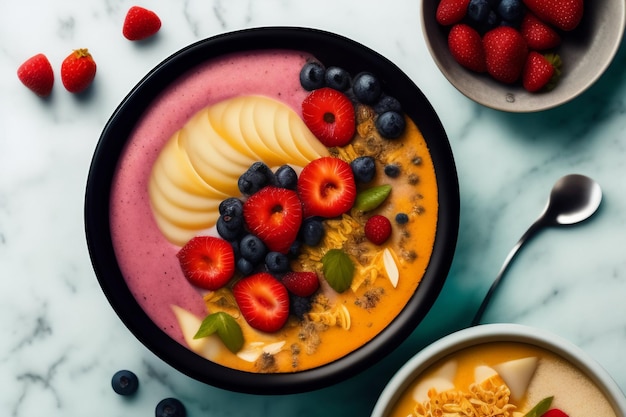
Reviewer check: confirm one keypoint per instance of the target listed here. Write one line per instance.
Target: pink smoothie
(147, 260)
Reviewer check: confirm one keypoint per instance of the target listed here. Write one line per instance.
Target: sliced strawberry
(326, 187)
(538, 34)
(329, 114)
(263, 301)
(36, 74)
(377, 229)
(539, 71)
(207, 261)
(302, 284)
(466, 47)
(274, 215)
(450, 12)
(564, 14)
(505, 53)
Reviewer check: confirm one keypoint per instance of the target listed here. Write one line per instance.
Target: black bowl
(328, 48)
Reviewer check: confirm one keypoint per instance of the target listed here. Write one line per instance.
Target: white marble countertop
(61, 341)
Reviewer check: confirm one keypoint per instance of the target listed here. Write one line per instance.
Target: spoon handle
(532, 230)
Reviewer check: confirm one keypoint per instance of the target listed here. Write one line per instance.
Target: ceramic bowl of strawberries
(523, 55)
(272, 210)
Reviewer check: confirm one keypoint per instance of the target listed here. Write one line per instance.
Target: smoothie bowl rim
(111, 145)
(492, 333)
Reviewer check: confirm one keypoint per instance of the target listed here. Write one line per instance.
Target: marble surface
(61, 341)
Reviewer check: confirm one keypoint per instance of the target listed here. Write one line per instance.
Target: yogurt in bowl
(501, 369)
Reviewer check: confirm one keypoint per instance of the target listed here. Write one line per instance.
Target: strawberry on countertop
(564, 14)
(263, 301)
(505, 53)
(140, 24)
(36, 74)
(78, 70)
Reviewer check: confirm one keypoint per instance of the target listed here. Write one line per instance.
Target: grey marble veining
(62, 342)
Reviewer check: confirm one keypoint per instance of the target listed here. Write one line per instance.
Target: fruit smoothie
(190, 154)
(505, 379)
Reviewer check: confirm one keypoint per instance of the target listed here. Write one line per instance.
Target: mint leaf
(371, 198)
(540, 408)
(338, 269)
(226, 328)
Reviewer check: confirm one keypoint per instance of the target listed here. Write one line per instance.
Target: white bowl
(482, 334)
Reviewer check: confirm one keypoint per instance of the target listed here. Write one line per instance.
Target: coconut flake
(390, 267)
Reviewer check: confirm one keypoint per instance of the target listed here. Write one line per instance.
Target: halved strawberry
(329, 114)
(274, 215)
(326, 187)
(207, 261)
(301, 283)
(263, 301)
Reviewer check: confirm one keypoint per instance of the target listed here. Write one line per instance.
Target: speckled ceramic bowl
(480, 336)
(586, 52)
(111, 149)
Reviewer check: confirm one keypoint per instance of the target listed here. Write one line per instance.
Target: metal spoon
(573, 198)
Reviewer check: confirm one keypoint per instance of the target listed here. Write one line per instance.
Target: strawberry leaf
(540, 408)
(371, 198)
(338, 269)
(226, 328)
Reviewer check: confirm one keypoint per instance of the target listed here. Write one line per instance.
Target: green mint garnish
(338, 269)
(226, 328)
(540, 408)
(371, 198)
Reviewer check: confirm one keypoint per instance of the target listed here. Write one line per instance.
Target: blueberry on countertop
(125, 382)
(170, 407)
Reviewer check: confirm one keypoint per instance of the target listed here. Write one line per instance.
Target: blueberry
(337, 78)
(511, 10)
(245, 266)
(231, 207)
(392, 170)
(366, 88)
(230, 228)
(294, 249)
(363, 168)
(312, 231)
(299, 306)
(390, 124)
(256, 177)
(286, 177)
(478, 10)
(125, 382)
(252, 249)
(170, 407)
(277, 262)
(387, 103)
(312, 76)
(402, 218)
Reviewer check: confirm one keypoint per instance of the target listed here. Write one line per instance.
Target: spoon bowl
(573, 198)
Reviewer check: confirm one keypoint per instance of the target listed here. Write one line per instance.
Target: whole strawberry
(540, 72)
(377, 229)
(36, 74)
(466, 47)
(450, 12)
(505, 53)
(564, 14)
(539, 35)
(140, 24)
(78, 70)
